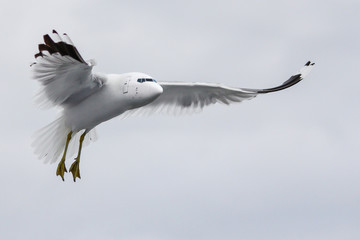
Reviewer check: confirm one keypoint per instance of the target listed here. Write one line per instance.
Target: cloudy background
(281, 166)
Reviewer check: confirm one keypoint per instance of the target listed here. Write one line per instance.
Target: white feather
(49, 141)
(187, 98)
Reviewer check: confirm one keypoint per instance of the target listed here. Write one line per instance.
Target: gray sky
(281, 166)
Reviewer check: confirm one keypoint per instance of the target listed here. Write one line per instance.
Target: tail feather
(49, 141)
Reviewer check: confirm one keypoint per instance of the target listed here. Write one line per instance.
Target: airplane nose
(158, 90)
(154, 90)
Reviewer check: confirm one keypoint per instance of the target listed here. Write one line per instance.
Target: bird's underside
(88, 98)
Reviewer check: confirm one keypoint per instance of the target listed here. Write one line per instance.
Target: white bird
(88, 99)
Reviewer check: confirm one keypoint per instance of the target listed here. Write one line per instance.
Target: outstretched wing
(64, 75)
(180, 98)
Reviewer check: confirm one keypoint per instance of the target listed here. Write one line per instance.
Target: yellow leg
(61, 169)
(75, 169)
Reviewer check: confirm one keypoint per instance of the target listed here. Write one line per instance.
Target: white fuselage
(121, 92)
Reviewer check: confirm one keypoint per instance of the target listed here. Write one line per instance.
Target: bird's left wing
(180, 98)
(66, 78)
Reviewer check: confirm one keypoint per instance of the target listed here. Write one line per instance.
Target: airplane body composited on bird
(88, 99)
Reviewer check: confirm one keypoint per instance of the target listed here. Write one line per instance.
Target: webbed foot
(61, 169)
(75, 169)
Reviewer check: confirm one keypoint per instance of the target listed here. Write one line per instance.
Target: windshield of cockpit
(141, 80)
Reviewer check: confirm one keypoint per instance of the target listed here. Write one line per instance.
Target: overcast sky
(281, 166)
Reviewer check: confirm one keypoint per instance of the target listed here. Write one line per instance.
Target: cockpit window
(141, 80)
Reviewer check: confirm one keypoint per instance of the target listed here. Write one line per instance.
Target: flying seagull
(88, 98)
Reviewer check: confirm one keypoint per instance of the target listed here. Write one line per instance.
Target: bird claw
(75, 169)
(61, 169)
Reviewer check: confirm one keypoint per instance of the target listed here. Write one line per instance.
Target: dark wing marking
(294, 79)
(61, 47)
(65, 77)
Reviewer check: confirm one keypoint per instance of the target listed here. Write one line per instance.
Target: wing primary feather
(49, 42)
(56, 37)
(65, 78)
(309, 63)
(74, 52)
(61, 47)
(43, 47)
(288, 83)
(67, 39)
(39, 54)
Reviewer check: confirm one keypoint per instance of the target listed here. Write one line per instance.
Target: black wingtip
(60, 47)
(290, 82)
(48, 41)
(309, 63)
(38, 55)
(43, 47)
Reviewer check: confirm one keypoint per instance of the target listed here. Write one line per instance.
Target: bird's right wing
(182, 97)
(64, 75)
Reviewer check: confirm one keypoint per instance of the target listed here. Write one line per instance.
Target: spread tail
(49, 141)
